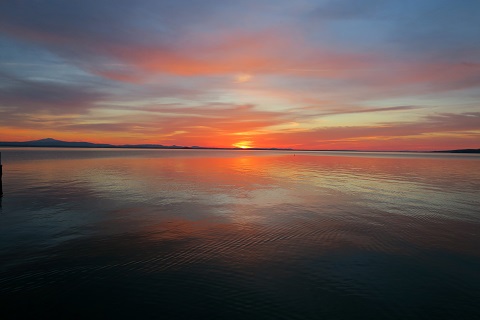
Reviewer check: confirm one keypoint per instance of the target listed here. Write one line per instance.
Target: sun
(243, 144)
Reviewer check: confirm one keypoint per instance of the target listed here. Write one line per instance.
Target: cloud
(383, 136)
(347, 9)
(210, 124)
(23, 96)
(167, 69)
(440, 31)
(350, 110)
(94, 36)
(127, 42)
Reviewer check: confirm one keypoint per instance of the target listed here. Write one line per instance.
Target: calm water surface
(203, 234)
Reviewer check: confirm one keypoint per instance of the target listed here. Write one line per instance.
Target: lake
(212, 234)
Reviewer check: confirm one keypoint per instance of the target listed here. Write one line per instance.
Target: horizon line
(93, 145)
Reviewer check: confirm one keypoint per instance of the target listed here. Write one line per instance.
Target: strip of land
(53, 143)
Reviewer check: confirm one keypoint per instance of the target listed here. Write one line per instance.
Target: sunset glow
(310, 74)
(243, 145)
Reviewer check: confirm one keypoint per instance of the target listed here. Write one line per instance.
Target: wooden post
(1, 172)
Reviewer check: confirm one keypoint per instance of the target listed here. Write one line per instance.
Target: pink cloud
(435, 131)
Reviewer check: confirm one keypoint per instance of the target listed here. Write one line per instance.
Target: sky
(304, 74)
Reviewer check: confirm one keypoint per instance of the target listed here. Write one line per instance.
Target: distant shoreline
(52, 143)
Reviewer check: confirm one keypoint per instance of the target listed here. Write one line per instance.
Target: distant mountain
(53, 143)
(49, 142)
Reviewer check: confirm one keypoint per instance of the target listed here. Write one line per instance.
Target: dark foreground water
(191, 234)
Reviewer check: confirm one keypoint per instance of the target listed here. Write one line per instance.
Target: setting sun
(243, 144)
